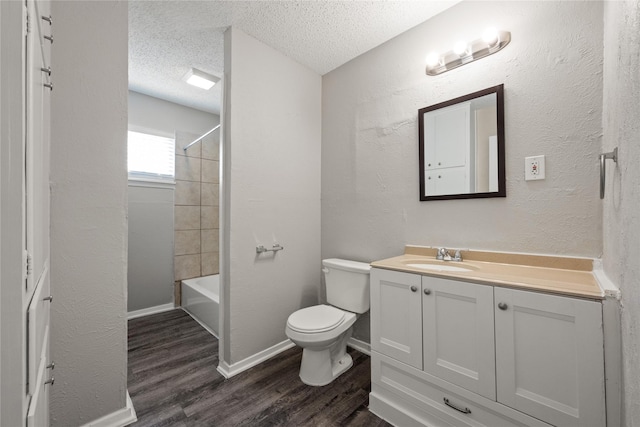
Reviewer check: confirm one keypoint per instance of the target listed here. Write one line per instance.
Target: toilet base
(316, 369)
(321, 366)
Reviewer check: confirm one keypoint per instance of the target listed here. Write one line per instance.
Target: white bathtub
(201, 299)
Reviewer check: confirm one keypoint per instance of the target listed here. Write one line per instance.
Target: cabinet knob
(427, 291)
(414, 289)
(502, 305)
(429, 164)
(439, 176)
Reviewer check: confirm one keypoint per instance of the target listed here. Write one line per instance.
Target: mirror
(461, 145)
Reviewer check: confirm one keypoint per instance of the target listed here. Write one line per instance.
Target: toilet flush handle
(325, 270)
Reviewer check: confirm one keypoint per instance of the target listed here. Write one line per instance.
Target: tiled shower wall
(197, 207)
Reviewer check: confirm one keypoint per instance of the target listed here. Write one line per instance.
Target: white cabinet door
(396, 313)
(37, 151)
(447, 181)
(458, 336)
(549, 350)
(447, 137)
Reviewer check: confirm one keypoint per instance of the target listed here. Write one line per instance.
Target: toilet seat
(316, 319)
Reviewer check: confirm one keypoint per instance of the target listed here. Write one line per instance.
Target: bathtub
(201, 299)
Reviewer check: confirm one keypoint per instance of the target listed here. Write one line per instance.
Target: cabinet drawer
(437, 398)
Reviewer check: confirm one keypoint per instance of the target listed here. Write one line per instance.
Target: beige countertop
(558, 275)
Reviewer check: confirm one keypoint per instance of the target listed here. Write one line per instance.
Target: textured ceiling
(166, 38)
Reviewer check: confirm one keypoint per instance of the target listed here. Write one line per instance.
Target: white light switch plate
(533, 168)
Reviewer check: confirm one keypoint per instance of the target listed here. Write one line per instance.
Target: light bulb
(490, 36)
(433, 60)
(460, 48)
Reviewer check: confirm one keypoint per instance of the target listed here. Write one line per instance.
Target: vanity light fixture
(492, 40)
(200, 79)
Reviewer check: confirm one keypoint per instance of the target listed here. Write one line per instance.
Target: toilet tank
(347, 284)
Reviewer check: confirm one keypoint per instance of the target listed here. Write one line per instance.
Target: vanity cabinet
(452, 353)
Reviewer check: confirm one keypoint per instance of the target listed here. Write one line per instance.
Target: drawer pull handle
(51, 365)
(502, 305)
(50, 381)
(414, 289)
(50, 38)
(49, 19)
(49, 298)
(427, 291)
(451, 405)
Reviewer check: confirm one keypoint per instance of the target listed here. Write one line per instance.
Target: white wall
(552, 74)
(88, 210)
(147, 113)
(151, 210)
(271, 193)
(150, 248)
(622, 200)
(13, 401)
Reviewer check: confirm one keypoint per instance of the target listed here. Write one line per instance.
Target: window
(150, 157)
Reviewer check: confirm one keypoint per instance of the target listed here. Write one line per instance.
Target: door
(396, 311)
(458, 336)
(549, 350)
(37, 290)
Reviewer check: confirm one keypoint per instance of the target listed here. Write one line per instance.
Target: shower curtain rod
(200, 137)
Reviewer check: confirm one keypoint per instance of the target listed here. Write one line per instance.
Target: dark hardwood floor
(173, 381)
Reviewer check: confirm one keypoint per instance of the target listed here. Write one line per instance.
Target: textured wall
(89, 210)
(272, 193)
(621, 222)
(552, 75)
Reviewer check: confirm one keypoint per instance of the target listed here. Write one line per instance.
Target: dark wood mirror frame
(502, 191)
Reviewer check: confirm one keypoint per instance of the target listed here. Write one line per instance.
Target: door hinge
(26, 20)
(27, 262)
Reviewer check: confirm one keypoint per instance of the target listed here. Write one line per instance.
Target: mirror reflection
(461, 144)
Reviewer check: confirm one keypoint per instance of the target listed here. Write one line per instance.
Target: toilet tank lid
(344, 264)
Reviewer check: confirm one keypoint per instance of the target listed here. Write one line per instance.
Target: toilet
(323, 330)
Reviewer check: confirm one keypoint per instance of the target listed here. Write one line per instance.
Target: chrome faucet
(444, 255)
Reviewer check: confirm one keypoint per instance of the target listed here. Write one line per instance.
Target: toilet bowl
(324, 330)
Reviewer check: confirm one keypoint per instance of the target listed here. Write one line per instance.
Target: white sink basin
(440, 267)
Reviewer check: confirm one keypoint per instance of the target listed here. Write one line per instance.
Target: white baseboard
(229, 371)
(204, 325)
(150, 310)
(361, 346)
(120, 418)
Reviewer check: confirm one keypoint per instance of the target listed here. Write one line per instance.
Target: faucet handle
(441, 253)
(457, 256)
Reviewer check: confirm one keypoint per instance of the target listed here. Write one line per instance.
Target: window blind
(151, 156)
